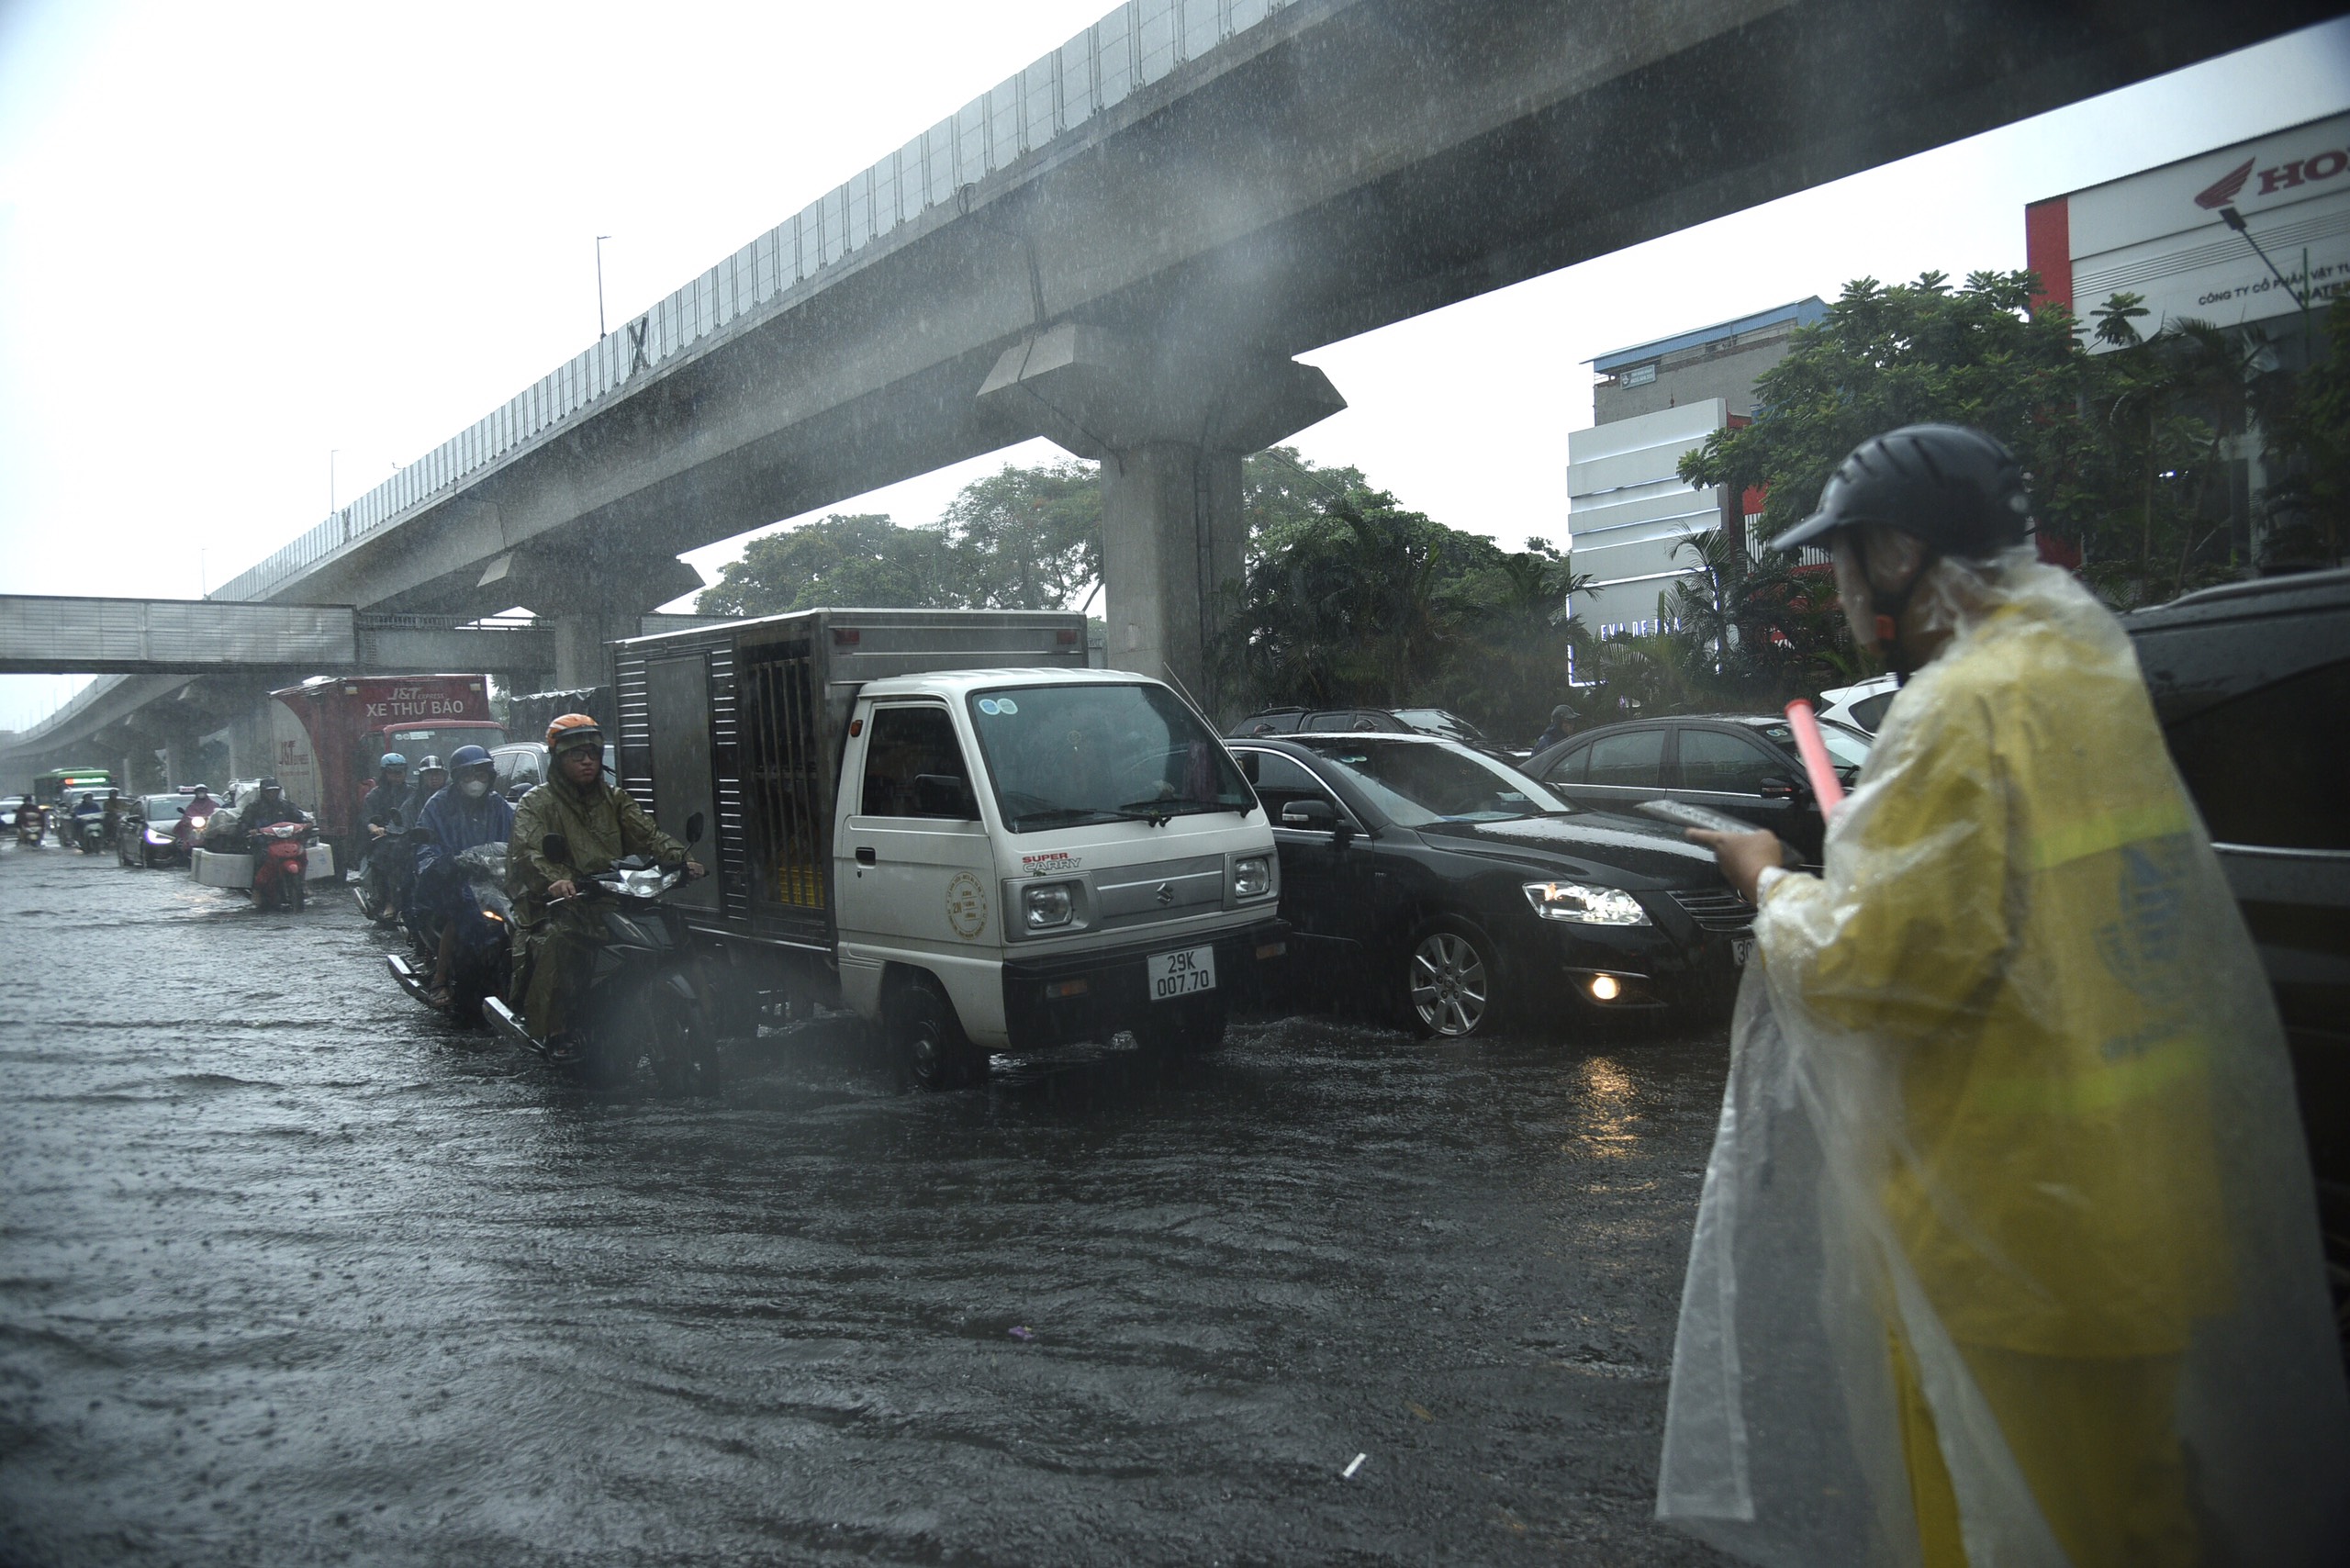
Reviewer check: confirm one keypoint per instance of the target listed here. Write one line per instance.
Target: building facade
(1629, 514)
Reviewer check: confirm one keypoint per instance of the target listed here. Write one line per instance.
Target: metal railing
(1136, 45)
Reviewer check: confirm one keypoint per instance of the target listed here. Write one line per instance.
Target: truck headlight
(1252, 876)
(1582, 905)
(1047, 906)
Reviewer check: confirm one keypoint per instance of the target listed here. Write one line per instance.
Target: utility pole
(600, 333)
(332, 453)
(2234, 219)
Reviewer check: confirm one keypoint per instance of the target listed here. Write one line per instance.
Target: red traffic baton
(1817, 766)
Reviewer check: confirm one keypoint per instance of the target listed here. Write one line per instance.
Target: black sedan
(1743, 764)
(1457, 892)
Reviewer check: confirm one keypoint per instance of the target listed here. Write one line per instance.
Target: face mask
(476, 789)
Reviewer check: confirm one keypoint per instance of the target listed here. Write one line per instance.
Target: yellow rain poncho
(2007, 1251)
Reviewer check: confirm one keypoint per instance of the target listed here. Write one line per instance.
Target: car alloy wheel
(1450, 981)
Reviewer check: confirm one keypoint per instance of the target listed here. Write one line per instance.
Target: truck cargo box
(744, 725)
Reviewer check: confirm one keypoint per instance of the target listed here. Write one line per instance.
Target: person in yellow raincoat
(2060, 1257)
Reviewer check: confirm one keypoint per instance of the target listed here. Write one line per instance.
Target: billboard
(2162, 232)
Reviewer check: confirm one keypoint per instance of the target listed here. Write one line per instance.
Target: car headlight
(1582, 905)
(1252, 876)
(1046, 906)
(154, 837)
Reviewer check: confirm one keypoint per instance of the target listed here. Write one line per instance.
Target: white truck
(944, 821)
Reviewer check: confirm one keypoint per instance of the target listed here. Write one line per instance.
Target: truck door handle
(864, 856)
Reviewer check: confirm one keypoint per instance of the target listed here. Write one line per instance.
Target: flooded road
(291, 1272)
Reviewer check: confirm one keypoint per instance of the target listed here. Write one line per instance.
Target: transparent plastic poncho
(2008, 1251)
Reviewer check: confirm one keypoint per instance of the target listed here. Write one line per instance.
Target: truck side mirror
(1314, 816)
(556, 848)
(693, 830)
(942, 795)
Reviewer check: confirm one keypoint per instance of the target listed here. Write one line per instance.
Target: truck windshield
(1061, 755)
(421, 742)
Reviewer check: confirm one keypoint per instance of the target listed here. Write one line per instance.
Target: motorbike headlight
(1252, 876)
(1580, 905)
(1046, 906)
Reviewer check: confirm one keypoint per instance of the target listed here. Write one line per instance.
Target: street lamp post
(599, 284)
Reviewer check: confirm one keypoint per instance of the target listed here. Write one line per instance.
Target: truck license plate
(1181, 974)
(1740, 949)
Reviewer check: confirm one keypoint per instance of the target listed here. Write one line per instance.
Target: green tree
(1027, 538)
(2306, 421)
(2126, 457)
(863, 559)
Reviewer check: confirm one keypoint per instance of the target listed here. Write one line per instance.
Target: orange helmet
(573, 730)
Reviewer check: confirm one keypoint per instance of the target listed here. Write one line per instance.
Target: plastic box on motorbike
(214, 869)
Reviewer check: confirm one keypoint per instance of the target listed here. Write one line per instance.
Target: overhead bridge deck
(41, 634)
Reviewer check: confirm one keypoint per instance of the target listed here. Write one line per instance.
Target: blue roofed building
(1629, 513)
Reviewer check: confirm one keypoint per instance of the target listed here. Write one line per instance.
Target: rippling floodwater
(293, 1272)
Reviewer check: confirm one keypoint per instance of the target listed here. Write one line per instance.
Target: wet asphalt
(291, 1271)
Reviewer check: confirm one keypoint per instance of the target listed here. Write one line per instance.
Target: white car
(1860, 707)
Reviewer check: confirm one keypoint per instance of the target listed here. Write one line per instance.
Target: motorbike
(90, 835)
(481, 959)
(188, 831)
(281, 854)
(29, 823)
(390, 870)
(645, 1007)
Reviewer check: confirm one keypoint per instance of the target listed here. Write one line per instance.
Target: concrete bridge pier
(253, 752)
(593, 595)
(1171, 430)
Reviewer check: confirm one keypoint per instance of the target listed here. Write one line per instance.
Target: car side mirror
(556, 848)
(942, 795)
(694, 825)
(1313, 816)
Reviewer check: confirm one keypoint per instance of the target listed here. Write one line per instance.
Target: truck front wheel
(929, 1038)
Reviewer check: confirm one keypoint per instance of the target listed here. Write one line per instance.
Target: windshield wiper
(1158, 812)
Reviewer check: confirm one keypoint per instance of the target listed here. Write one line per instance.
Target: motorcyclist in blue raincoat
(385, 812)
(468, 812)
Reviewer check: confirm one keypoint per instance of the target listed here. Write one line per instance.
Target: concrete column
(183, 759)
(252, 742)
(1172, 543)
(1169, 423)
(580, 656)
(593, 597)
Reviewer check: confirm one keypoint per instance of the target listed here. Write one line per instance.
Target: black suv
(1456, 892)
(2252, 683)
(1744, 764)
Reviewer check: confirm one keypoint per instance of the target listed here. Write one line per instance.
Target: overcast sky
(248, 251)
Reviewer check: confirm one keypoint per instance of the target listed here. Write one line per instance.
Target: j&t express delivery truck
(944, 821)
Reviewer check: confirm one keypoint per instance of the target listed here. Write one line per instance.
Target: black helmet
(264, 785)
(1562, 711)
(1957, 490)
(430, 765)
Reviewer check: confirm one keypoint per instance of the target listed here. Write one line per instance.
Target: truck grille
(1717, 909)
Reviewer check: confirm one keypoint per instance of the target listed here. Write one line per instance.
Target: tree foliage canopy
(2127, 447)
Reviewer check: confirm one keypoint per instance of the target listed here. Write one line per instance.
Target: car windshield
(1419, 782)
(163, 807)
(1060, 755)
(1847, 748)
